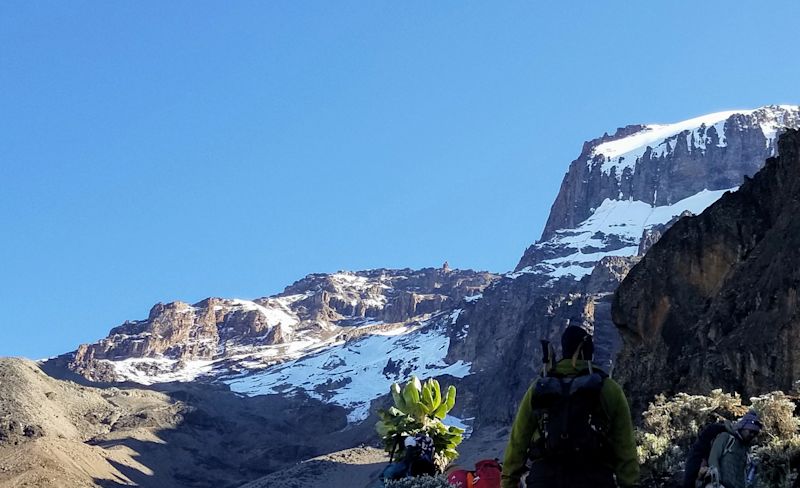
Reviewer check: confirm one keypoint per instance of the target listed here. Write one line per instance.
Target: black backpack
(706, 438)
(571, 420)
(700, 451)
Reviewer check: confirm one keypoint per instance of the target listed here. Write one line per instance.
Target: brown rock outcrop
(318, 304)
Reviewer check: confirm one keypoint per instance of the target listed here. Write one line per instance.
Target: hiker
(418, 459)
(574, 424)
(730, 452)
(698, 455)
(419, 455)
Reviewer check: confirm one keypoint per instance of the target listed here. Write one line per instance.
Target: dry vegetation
(671, 425)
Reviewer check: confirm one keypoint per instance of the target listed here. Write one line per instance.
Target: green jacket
(729, 456)
(614, 404)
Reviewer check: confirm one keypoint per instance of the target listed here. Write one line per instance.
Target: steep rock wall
(714, 302)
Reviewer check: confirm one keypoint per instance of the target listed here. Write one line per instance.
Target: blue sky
(160, 151)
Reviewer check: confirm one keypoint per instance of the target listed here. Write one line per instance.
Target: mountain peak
(619, 153)
(645, 175)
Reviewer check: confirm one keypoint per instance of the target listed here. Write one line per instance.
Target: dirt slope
(46, 427)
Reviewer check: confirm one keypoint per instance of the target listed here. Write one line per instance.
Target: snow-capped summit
(643, 176)
(695, 134)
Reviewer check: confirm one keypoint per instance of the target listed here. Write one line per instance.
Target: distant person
(574, 425)
(730, 453)
(697, 460)
(417, 461)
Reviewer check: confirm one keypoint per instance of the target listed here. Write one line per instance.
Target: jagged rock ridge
(642, 176)
(179, 341)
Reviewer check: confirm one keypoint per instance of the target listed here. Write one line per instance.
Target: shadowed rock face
(714, 302)
(501, 333)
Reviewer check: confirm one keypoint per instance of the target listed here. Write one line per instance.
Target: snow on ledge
(661, 138)
(355, 373)
(622, 220)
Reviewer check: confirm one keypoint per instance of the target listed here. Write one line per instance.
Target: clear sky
(160, 151)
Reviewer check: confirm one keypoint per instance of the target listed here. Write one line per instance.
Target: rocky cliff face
(714, 302)
(177, 338)
(663, 164)
(622, 184)
(501, 333)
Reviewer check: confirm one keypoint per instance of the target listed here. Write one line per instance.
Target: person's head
(749, 427)
(576, 343)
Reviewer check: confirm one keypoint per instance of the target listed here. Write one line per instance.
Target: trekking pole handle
(546, 355)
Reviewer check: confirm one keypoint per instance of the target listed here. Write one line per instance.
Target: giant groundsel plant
(420, 407)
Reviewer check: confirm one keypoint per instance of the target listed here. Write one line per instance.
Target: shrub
(778, 452)
(420, 482)
(670, 427)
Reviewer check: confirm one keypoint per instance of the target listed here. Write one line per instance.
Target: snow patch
(462, 334)
(147, 371)
(276, 311)
(623, 153)
(662, 139)
(615, 229)
(460, 423)
(516, 274)
(355, 373)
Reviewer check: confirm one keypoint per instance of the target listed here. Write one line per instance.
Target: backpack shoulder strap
(729, 442)
(729, 445)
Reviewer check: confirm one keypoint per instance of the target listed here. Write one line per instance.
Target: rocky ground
(361, 466)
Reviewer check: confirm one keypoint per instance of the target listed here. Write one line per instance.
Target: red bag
(486, 475)
(461, 478)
